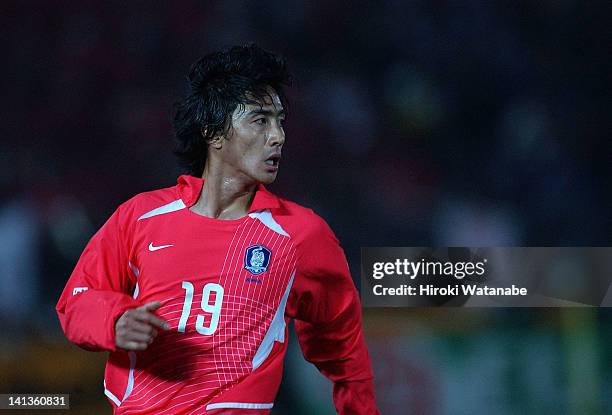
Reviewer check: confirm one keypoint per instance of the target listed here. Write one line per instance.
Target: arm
(328, 321)
(98, 291)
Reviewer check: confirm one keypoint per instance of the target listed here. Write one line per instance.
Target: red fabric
(88, 317)
(187, 370)
(327, 312)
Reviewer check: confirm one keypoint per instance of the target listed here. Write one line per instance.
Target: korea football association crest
(257, 259)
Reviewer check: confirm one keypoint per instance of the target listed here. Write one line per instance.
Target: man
(191, 287)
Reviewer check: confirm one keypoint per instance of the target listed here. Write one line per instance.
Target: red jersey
(228, 288)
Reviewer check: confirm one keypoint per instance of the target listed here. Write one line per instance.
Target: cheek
(239, 147)
(248, 154)
(251, 160)
(247, 147)
(250, 147)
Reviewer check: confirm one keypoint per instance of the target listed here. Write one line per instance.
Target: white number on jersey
(213, 309)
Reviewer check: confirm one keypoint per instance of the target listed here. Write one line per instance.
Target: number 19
(213, 309)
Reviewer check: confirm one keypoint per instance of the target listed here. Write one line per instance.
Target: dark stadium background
(412, 123)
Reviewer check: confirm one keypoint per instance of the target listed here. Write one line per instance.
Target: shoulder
(142, 203)
(319, 253)
(302, 223)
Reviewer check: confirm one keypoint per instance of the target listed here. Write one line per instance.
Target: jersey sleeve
(328, 321)
(98, 291)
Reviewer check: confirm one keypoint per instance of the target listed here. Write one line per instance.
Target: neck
(224, 196)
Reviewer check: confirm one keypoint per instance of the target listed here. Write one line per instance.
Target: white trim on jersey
(266, 218)
(110, 395)
(242, 405)
(130, 384)
(136, 272)
(170, 207)
(276, 331)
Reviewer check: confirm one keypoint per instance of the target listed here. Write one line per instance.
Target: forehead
(270, 102)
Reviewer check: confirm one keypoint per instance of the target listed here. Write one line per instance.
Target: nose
(277, 135)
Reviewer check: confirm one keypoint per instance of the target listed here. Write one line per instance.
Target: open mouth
(273, 160)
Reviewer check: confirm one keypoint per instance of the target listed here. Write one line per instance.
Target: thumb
(152, 306)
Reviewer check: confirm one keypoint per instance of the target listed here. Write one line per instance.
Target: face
(252, 149)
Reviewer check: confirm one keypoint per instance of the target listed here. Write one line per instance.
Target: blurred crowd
(411, 123)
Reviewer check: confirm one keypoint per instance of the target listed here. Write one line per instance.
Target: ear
(214, 142)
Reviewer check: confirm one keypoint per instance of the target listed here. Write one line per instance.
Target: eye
(260, 121)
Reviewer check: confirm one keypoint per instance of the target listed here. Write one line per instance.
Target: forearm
(339, 351)
(89, 321)
(355, 397)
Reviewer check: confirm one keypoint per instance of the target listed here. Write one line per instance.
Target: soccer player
(190, 288)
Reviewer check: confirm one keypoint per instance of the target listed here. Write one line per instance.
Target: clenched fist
(136, 328)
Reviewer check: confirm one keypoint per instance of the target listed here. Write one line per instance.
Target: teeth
(270, 162)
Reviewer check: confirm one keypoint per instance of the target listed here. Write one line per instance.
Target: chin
(267, 179)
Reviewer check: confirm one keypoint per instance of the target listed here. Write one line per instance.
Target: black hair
(218, 83)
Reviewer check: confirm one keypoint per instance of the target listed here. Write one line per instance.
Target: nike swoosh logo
(156, 248)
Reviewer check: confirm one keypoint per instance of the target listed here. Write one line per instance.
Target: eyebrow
(265, 112)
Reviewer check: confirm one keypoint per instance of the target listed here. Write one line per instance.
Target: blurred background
(412, 123)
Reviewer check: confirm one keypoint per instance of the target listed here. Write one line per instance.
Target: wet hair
(218, 84)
